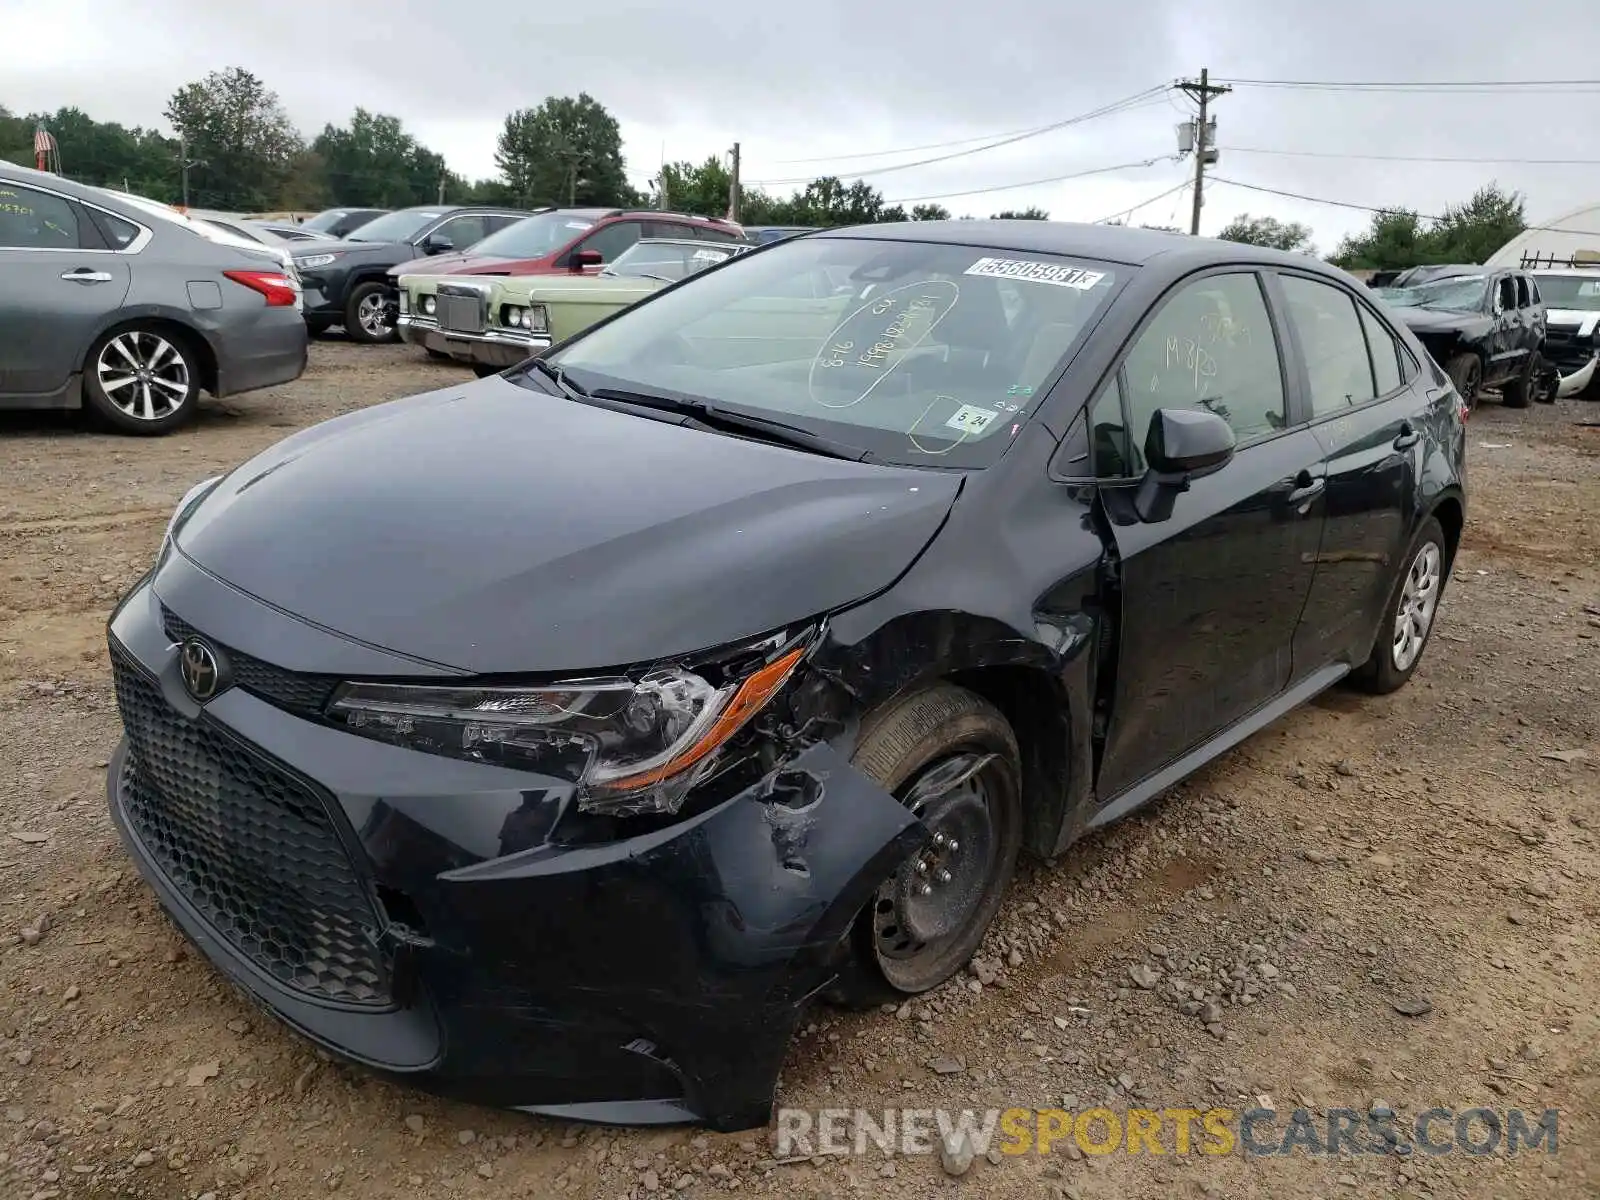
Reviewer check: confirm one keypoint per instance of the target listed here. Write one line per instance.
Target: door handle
(1306, 488)
(85, 275)
(1408, 438)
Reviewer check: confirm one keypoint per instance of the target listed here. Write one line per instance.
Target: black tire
(1518, 392)
(1385, 671)
(1546, 381)
(484, 370)
(1466, 372)
(899, 746)
(317, 327)
(165, 383)
(358, 324)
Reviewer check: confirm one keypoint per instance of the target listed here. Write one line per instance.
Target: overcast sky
(834, 80)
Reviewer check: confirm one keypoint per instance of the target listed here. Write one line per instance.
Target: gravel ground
(1255, 937)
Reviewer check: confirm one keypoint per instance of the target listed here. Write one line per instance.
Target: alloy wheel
(1419, 599)
(370, 312)
(143, 374)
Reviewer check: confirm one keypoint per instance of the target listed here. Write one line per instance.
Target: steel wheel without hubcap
(143, 375)
(1419, 598)
(928, 906)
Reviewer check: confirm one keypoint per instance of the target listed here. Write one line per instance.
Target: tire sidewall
(977, 728)
(105, 411)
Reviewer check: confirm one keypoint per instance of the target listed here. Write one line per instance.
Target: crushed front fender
(701, 943)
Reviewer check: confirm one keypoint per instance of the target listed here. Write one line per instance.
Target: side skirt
(1151, 786)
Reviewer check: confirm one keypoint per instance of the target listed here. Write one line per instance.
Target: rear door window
(35, 220)
(1334, 344)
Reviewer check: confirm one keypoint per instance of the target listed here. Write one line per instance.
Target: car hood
(496, 529)
(463, 264)
(1437, 320)
(1583, 320)
(367, 252)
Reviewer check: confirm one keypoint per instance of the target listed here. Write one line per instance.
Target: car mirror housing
(436, 243)
(586, 258)
(1184, 444)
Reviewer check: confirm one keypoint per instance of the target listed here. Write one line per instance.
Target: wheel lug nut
(938, 839)
(953, 846)
(922, 867)
(927, 889)
(944, 876)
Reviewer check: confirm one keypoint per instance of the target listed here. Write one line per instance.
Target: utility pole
(1205, 150)
(733, 187)
(442, 179)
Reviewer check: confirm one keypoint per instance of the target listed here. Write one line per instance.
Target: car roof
(695, 242)
(1107, 243)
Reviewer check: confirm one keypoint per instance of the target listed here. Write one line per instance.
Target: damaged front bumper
(437, 934)
(1578, 381)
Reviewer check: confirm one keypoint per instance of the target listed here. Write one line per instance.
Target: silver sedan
(130, 310)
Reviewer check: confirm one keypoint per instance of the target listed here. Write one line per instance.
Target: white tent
(1569, 238)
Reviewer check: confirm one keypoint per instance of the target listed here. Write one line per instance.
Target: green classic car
(494, 322)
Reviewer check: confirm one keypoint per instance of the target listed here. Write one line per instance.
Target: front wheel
(142, 380)
(1518, 393)
(1466, 372)
(951, 757)
(366, 314)
(1409, 615)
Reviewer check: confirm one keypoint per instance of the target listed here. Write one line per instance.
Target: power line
(1524, 87)
(1187, 183)
(1006, 187)
(1417, 158)
(1103, 111)
(967, 141)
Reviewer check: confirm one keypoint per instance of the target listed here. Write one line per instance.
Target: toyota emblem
(199, 668)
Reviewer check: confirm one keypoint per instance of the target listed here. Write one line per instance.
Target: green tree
(1031, 213)
(101, 153)
(1267, 231)
(930, 212)
(1465, 233)
(702, 189)
(245, 144)
(374, 161)
(566, 151)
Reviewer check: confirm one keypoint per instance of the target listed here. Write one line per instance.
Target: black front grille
(250, 846)
(303, 694)
(460, 309)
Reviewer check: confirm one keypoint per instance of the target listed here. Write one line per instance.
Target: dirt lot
(1438, 845)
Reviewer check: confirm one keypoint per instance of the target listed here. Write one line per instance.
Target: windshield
(395, 227)
(667, 260)
(325, 221)
(919, 354)
(532, 237)
(1462, 293)
(1570, 291)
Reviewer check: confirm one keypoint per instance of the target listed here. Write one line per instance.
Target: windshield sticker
(865, 348)
(971, 419)
(708, 256)
(1036, 272)
(911, 433)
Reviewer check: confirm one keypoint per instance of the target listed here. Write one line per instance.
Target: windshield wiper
(766, 429)
(558, 377)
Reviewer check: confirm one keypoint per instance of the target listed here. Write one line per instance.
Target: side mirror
(437, 243)
(586, 258)
(1184, 444)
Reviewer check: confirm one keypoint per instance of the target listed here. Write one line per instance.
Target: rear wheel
(142, 380)
(366, 314)
(949, 756)
(1409, 615)
(1518, 392)
(1466, 372)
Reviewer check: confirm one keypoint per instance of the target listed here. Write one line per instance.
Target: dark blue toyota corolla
(553, 740)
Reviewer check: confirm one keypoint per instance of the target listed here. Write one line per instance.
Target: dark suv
(577, 241)
(347, 283)
(1485, 327)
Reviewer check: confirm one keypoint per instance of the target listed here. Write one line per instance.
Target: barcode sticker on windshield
(1036, 272)
(708, 256)
(969, 419)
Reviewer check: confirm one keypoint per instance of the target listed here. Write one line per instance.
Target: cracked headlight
(631, 745)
